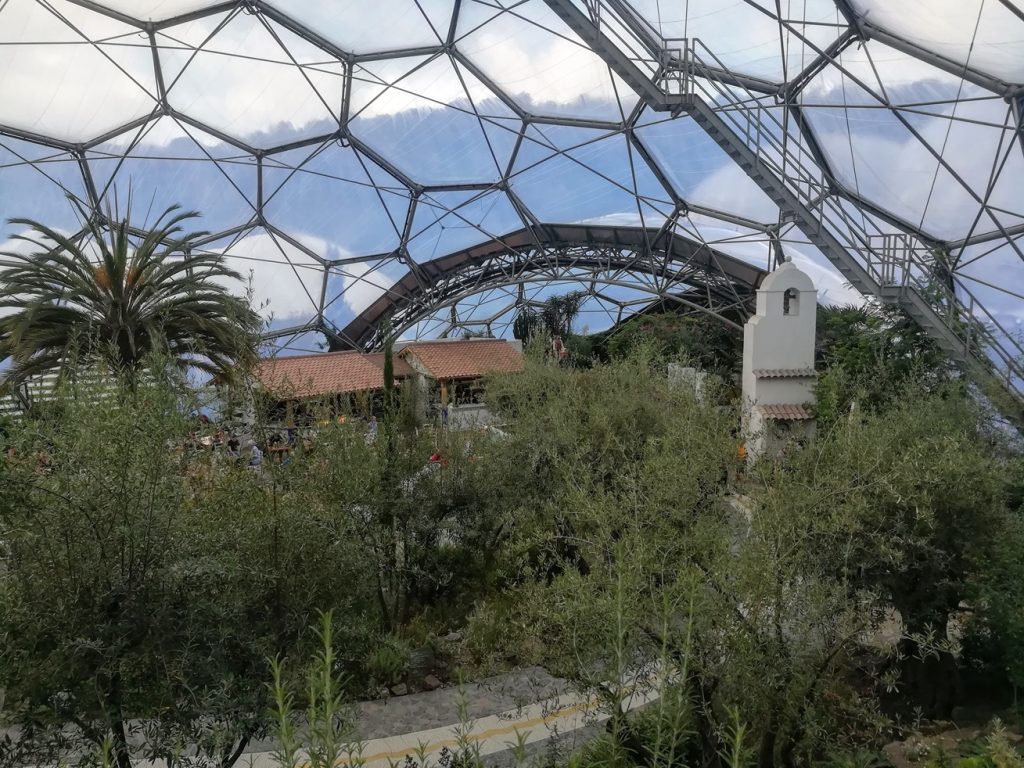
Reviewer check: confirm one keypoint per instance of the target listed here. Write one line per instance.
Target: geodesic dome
(443, 162)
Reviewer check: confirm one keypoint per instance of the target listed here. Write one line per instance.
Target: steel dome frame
(762, 126)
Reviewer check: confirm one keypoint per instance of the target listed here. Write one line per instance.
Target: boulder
(431, 683)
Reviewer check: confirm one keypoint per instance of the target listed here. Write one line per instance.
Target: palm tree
(119, 301)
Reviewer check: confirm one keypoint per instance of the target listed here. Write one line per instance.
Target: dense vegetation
(806, 611)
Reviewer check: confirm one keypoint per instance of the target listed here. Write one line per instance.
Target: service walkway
(526, 708)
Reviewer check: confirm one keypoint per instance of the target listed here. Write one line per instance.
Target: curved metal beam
(521, 256)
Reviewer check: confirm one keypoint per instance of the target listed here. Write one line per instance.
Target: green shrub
(389, 663)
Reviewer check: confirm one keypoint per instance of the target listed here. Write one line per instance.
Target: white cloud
(988, 35)
(419, 84)
(558, 71)
(890, 166)
(368, 27)
(730, 189)
(624, 219)
(285, 281)
(363, 284)
(54, 83)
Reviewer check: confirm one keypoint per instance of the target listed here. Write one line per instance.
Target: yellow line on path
(478, 737)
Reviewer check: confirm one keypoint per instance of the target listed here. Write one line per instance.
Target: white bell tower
(778, 361)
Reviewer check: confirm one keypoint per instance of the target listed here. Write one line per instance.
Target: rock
(400, 690)
(959, 714)
(431, 683)
(937, 726)
(383, 692)
(452, 637)
(422, 661)
(894, 753)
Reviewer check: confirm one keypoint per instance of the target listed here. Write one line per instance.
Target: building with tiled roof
(445, 371)
(306, 377)
(463, 359)
(450, 374)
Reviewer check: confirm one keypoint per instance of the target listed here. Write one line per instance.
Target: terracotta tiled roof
(329, 373)
(785, 373)
(785, 412)
(465, 359)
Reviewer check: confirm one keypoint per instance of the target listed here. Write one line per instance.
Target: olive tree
(144, 588)
(632, 561)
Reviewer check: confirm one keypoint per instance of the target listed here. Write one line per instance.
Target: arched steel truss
(657, 262)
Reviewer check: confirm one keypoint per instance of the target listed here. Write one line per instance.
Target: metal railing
(899, 265)
(878, 258)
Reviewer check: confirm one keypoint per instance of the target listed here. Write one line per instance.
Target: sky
(334, 216)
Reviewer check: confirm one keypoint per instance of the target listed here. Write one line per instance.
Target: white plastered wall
(780, 336)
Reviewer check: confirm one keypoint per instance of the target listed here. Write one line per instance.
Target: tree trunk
(932, 682)
(231, 756)
(118, 732)
(382, 602)
(766, 751)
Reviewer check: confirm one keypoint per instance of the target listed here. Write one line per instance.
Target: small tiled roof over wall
(464, 358)
(785, 412)
(321, 375)
(786, 373)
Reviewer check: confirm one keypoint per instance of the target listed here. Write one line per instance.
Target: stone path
(525, 708)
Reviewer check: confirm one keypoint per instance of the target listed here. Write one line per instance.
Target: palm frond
(139, 292)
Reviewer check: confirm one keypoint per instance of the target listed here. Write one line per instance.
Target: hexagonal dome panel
(69, 73)
(444, 162)
(250, 79)
(284, 277)
(446, 222)
(531, 55)
(417, 111)
(39, 183)
(384, 25)
(568, 174)
(334, 192)
(148, 166)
